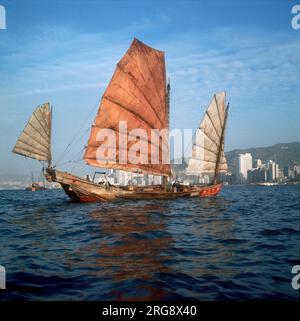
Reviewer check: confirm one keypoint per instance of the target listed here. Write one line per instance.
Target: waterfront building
(272, 173)
(258, 163)
(204, 179)
(257, 175)
(244, 163)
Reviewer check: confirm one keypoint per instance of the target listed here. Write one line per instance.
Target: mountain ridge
(285, 154)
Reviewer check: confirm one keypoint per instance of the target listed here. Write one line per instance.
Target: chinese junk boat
(138, 96)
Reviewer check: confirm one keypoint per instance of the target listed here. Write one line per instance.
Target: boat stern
(211, 190)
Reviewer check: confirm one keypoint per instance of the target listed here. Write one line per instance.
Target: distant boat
(35, 187)
(268, 184)
(138, 93)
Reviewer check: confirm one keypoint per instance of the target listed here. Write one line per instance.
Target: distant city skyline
(246, 171)
(260, 169)
(66, 53)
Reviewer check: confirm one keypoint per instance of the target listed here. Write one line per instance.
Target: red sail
(136, 94)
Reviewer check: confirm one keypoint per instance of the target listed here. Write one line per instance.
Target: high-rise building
(244, 164)
(203, 179)
(258, 163)
(272, 171)
(122, 177)
(276, 171)
(257, 175)
(297, 171)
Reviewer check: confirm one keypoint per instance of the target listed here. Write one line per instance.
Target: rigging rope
(191, 141)
(30, 167)
(75, 138)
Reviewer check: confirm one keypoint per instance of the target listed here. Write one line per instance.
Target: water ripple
(240, 245)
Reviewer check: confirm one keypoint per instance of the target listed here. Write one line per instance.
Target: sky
(66, 51)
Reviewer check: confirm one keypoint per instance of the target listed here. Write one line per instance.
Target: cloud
(258, 69)
(54, 59)
(246, 63)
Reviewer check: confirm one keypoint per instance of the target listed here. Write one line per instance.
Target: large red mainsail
(137, 95)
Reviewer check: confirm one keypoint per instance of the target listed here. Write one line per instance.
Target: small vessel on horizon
(267, 184)
(36, 186)
(139, 95)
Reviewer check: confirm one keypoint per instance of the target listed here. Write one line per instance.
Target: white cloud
(259, 70)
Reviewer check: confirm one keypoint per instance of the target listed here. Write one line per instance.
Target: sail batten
(137, 95)
(33, 148)
(210, 138)
(29, 153)
(213, 125)
(148, 72)
(141, 92)
(35, 139)
(43, 145)
(44, 125)
(41, 136)
(207, 160)
(208, 149)
(139, 117)
(218, 109)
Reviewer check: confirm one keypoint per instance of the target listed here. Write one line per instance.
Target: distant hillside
(15, 177)
(284, 154)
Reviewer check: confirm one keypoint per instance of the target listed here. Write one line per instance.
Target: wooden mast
(50, 134)
(32, 179)
(168, 90)
(220, 147)
(43, 175)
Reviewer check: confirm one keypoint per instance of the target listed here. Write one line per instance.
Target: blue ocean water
(240, 245)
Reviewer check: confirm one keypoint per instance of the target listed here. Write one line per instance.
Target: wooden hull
(79, 189)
